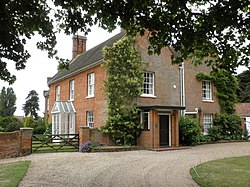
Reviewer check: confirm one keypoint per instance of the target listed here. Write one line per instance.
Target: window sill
(208, 101)
(71, 100)
(90, 96)
(147, 95)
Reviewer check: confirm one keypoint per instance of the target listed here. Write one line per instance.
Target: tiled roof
(86, 60)
(243, 109)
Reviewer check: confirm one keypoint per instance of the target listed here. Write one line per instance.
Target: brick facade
(166, 99)
(14, 144)
(81, 103)
(193, 92)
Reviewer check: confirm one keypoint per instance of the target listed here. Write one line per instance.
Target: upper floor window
(145, 120)
(71, 90)
(90, 119)
(207, 122)
(206, 90)
(91, 85)
(57, 93)
(148, 84)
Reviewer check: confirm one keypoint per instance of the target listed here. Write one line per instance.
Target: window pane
(145, 120)
(206, 90)
(90, 119)
(148, 84)
(91, 84)
(207, 122)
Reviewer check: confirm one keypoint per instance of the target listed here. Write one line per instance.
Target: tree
(244, 86)
(31, 105)
(123, 85)
(7, 102)
(200, 28)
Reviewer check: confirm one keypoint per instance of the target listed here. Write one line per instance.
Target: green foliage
(39, 129)
(226, 127)
(244, 86)
(124, 81)
(226, 85)
(9, 124)
(29, 122)
(31, 105)
(7, 102)
(189, 131)
(217, 29)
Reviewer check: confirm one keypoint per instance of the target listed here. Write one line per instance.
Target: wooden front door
(164, 130)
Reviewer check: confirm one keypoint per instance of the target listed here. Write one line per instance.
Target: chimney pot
(79, 45)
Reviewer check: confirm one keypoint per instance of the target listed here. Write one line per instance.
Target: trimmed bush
(9, 124)
(226, 127)
(189, 131)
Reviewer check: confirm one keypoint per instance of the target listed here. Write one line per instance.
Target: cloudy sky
(39, 66)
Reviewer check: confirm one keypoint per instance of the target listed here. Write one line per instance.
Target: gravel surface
(118, 169)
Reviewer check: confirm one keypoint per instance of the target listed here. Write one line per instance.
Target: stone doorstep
(168, 148)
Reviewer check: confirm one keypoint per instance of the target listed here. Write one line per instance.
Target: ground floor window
(145, 120)
(207, 122)
(90, 119)
(56, 123)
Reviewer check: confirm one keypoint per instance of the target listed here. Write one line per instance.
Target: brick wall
(93, 135)
(14, 144)
(82, 104)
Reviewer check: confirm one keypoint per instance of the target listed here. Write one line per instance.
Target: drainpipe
(182, 86)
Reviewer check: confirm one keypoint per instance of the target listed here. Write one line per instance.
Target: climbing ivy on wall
(123, 85)
(226, 85)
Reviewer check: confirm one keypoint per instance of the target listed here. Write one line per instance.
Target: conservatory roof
(63, 107)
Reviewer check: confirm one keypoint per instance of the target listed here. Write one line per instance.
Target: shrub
(86, 147)
(39, 130)
(226, 127)
(29, 122)
(205, 138)
(9, 124)
(189, 131)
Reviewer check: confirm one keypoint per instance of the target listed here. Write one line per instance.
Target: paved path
(118, 169)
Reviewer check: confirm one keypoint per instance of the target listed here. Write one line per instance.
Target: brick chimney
(79, 45)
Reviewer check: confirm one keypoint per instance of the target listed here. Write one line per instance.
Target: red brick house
(77, 98)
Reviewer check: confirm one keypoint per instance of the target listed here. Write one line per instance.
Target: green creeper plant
(226, 85)
(123, 85)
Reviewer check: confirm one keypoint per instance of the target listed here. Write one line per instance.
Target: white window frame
(91, 85)
(148, 85)
(207, 123)
(206, 90)
(142, 119)
(56, 129)
(90, 119)
(71, 90)
(58, 93)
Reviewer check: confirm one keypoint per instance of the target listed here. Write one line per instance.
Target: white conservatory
(63, 118)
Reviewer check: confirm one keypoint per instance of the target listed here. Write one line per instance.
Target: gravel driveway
(132, 168)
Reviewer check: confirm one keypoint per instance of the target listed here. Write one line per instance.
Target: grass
(228, 172)
(12, 173)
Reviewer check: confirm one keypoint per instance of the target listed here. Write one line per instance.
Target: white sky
(39, 66)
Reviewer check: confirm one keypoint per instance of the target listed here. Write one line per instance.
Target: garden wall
(93, 135)
(14, 144)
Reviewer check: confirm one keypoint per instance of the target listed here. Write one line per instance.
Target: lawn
(12, 173)
(228, 172)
